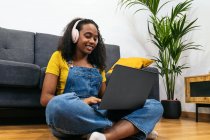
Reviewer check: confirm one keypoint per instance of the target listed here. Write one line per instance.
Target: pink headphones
(75, 32)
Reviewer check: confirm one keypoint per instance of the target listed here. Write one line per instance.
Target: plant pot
(172, 109)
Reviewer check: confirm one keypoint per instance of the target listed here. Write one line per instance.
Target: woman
(75, 73)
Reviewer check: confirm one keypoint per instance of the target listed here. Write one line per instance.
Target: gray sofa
(23, 59)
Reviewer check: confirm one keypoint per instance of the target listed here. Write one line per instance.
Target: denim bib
(83, 81)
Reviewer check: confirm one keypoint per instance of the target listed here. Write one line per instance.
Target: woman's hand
(92, 100)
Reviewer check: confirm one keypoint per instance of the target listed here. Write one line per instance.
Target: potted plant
(167, 34)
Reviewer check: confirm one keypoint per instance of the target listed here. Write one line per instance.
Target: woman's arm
(49, 88)
(102, 90)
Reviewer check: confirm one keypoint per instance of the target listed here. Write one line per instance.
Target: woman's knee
(155, 106)
(58, 106)
(53, 108)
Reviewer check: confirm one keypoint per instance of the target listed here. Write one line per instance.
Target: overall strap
(70, 64)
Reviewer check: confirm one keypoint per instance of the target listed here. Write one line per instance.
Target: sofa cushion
(133, 62)
(45, 45)
(16, 45)
(19, 74)
(112, 55)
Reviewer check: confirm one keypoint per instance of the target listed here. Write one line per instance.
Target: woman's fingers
(92, 100)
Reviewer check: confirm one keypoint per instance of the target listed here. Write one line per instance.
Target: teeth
(90, 47)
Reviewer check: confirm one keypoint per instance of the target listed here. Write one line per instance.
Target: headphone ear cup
(75, 32)
(75, 35)
(97, 42)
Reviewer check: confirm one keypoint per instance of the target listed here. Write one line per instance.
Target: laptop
(128, 88)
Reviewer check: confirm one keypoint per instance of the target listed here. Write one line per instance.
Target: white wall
(118, 26)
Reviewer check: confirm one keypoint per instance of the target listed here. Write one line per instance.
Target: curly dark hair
(68, 48)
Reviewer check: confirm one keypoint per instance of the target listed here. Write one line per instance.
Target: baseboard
(192, 115)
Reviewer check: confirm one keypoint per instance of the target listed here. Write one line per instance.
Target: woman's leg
(67, 114)
(121, 129)
(141, 122)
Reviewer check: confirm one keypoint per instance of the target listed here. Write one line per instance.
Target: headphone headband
(75, 32)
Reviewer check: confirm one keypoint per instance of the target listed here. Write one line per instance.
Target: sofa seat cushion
(19, 74)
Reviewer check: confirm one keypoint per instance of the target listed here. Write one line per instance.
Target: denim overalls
(68, 114)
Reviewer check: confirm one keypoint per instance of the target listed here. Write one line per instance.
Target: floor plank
(168, 129)
(183, 129)
(26, 132)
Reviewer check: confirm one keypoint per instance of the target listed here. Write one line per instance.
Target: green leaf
(167, 33)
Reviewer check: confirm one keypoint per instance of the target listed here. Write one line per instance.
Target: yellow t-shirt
(58, 66)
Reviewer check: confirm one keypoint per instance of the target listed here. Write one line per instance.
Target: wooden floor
(181, 129)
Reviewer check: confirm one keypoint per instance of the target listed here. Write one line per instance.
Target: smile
(90, 47)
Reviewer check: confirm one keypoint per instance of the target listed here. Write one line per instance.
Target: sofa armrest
(19, 74)
(42, 75)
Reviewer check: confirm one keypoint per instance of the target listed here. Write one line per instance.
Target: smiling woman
(88, 39)
(76, 74)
